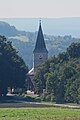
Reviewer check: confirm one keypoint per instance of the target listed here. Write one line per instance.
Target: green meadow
(39, 114)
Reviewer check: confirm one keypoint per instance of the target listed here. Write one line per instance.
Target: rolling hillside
(24, 41)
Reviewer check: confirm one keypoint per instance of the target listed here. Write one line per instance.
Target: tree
(12, 67)
(69, 72)
(74, 50)
(39, 80)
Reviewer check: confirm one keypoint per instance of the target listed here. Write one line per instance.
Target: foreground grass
(39, 114)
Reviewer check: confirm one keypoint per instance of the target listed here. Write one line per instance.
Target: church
(40, 53)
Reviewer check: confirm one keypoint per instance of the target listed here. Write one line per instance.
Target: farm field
(39, 114)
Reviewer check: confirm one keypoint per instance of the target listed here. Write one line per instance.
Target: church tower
(40, 53)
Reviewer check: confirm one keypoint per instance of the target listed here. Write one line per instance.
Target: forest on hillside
(58, 79)
(26, 44)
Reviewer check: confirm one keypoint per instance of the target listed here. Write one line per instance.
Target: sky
(39, 8)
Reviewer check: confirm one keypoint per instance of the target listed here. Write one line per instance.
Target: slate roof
(40, 43)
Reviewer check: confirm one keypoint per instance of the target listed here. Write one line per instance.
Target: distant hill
(8, 30)
(51, 26)
(24, 41)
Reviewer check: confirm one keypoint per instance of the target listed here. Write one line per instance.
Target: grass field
(39, 114)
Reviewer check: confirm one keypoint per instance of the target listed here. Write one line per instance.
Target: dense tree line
(58, 79)
(12, 67)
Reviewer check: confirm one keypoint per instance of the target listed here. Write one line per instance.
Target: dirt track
(35, 105)
(19, 105)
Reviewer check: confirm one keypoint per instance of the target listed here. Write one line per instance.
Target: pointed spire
(40, 43)
(40, 21)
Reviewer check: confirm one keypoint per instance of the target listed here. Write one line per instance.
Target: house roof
(31, 72)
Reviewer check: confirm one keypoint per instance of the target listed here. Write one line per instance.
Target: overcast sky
(39, 8)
